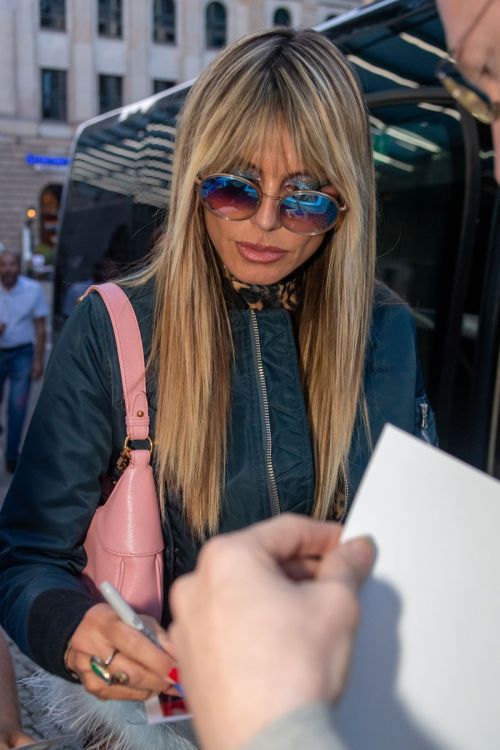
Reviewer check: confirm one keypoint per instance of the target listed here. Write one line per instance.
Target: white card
(426, 671)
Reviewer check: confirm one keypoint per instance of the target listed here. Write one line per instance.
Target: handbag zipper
(264, 413)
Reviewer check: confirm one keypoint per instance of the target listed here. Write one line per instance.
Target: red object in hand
(174, 674)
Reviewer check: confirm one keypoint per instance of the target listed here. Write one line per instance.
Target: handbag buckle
(124, 457)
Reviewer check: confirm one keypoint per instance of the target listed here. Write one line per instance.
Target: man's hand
(479, 57)
(15, 737)
(266, 624)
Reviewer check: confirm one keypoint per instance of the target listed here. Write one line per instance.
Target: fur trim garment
(103, 725)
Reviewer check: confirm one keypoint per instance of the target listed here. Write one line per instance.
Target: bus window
(117, 197)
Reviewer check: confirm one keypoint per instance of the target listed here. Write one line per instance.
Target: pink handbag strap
(130, 355)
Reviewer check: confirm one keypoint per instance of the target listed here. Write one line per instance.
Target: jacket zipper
(346, 490)
(266, 422)
(424, 421)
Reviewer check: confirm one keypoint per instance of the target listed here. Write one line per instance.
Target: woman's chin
(258, 276)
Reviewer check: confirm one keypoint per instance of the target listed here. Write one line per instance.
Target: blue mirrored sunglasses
(235, 198)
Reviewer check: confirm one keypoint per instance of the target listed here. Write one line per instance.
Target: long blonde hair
(266, 81)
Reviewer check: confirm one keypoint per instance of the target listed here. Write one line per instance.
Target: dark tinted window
(53, 14)
(436, 210)
(53, 84)
(117, 196)
(419, 159)
(215, 25)
(110, 93)
(109, 18)
(282, 17)
(161, 84)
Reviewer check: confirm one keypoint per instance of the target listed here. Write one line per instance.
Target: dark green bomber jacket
(78, 430)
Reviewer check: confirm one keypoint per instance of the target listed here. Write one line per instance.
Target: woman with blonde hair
(274, 360)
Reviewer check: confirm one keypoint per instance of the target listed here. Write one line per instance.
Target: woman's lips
(260, 253)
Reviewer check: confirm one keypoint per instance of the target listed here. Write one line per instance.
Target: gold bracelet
(65, 660)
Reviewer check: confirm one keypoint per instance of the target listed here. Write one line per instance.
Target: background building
(64, 61)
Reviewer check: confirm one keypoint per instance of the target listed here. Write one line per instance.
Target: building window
(109, 20)
(110, 93)
(282, 17)
(53, 83)
(53, 15)
(161, 84)
(164, 21)
(215, 25)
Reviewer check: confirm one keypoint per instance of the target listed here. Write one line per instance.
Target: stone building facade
(65, 61)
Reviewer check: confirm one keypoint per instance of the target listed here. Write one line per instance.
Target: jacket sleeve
(310, 726)
(56, 490)
(394, 385)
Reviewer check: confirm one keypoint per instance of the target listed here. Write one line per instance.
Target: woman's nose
(266, 217)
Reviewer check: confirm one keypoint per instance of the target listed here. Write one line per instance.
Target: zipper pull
(424, 410)
(123, 460)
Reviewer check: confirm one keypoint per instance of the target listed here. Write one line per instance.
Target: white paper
(426, 671)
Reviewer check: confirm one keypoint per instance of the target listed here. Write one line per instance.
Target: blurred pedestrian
(23, 311)
(11, 733)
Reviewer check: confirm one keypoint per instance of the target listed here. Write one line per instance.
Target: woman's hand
(14, 737)
(128, 656)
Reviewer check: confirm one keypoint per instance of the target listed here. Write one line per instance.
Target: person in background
(23, 311)
(473, 37)
(288, 591)
(11, 733)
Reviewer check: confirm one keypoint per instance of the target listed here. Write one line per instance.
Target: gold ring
(105, 662)
(110, 658)
(120, 678)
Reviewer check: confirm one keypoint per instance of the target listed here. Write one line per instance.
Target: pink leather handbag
(124, 543)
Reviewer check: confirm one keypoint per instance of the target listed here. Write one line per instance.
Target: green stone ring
(97, 666)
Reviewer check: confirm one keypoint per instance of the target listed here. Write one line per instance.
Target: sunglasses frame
(342, 209)
(482, 109)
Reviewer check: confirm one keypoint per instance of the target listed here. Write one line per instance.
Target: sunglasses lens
(229, 197)
(309, 213)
